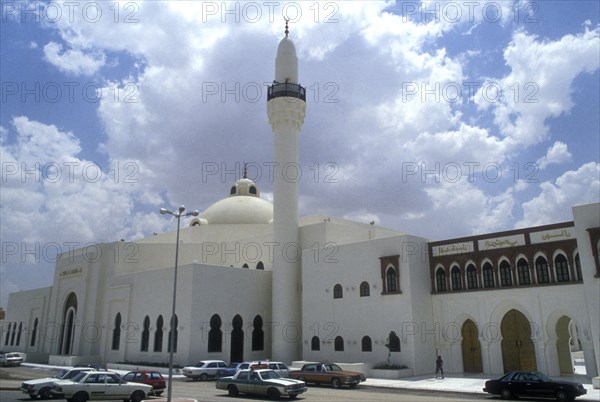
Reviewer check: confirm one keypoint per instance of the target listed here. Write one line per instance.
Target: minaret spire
(286, 106)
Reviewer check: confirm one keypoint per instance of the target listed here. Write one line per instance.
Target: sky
(440, 119)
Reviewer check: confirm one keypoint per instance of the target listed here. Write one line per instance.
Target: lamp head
(181, 209)
(195, 213)
(163, 211)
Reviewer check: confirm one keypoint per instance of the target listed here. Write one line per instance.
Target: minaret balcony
(287, 89)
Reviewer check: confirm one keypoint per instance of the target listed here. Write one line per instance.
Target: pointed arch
(472, 282)
(541, 270)
(158, 334)
(456, 277)
(440, 279)
(258, 335)
(215, 335)
(365, 290)
(518, 352)
(116, 336)
(68, 325)
(523, 272)
(237, 339)
(145, 341)
(366, 344)
(173, 329)
(471, 348)
(34, 333)
(561, 268)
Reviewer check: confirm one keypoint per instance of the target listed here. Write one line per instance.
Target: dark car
(327, 373)
(153, 378)
(535, 384)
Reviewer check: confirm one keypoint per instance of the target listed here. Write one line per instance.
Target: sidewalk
(472, 384)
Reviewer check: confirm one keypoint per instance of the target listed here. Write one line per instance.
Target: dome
(243, 206)
(286, 63)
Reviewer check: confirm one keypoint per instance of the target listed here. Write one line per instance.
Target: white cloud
(558, 153)
(539, 84)
(73, 61)
(553, 204)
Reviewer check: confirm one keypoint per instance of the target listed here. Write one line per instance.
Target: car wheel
(562, 396)
(203, 377)
(505, 393)
(232, 390)
(336, 383)
(44, 393)
(137, 396)
(273, 394)
(80, 397)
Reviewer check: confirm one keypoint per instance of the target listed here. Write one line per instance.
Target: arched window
(158, 334)
(393, 342)
(366, 344)
(258, 336)
(472, 282)
(562, 268)
(391, 280)
(364, 289)
(505, 274)
(541, 270)
(116, 338)
(14, 333)
(145, 335)
(455, 276)
(252, 190)
(338, 291)
(523, 272)
(440, 280)
(488, 276)
(315, 343)
(233, 190)
(578, 267)
(245, 266)
(19, 333)
(34, 333)
(215, 335)
(7, 337)
(173, 328)
(338, 344)
(260, 265)
(68, 325)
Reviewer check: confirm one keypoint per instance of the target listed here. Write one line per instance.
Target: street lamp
(178, 215)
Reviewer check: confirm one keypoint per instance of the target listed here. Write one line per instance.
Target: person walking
(439, 367)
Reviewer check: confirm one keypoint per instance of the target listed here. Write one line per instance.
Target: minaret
(286, 105)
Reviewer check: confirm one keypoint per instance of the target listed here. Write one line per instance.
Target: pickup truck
(327, 373)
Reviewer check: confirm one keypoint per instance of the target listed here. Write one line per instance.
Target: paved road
(206, 391)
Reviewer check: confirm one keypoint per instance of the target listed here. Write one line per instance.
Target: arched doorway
(68, 325)
(563, 345)
(518, 352)
(471, 348)
(237, 340)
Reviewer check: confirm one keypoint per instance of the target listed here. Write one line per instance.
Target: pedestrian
(439, 367)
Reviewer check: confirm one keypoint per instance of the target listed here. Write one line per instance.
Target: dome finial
(287, 31)
(245, 170)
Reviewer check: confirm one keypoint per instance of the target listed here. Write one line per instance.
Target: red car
(153, 378)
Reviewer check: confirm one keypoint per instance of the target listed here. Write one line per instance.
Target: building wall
(588, 217)
(352, 317)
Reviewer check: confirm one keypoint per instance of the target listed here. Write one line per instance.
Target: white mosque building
(257, 282)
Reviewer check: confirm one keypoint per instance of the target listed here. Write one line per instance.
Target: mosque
(254, 281)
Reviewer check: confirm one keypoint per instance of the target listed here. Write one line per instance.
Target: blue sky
(441, 119)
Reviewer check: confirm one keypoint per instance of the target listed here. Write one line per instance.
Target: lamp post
(178, 215)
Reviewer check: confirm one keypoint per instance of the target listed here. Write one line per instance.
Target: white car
(261, 382)
(41, 387)
(102, 385)
(204, 369)
(11, 359)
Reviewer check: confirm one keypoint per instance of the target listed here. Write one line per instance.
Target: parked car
(205, 369)
(327, 373)
(279, 367)
(152, 378)
(261, 382)
(534, 384)
(41, 387)
(90, 385)
(11, 359)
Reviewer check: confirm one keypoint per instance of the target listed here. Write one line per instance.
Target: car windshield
(61, 374)
(332, 367)
(269, 375)
(79, 377)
